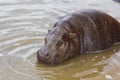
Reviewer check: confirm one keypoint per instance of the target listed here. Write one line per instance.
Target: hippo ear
(72, 35)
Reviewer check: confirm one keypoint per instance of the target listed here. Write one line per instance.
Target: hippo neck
(80, 40)
(80, 36)
(80, 32)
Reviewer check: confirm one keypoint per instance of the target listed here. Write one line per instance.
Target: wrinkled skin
(80, 32)
(58, 42)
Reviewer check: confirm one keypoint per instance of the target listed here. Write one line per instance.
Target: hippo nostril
(47, 54)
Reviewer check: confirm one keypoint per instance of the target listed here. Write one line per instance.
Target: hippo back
(96, 30)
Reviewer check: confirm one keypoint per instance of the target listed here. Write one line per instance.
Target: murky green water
(23, 26)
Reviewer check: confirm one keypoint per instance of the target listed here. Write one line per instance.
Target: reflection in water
(23, 26)
(91, 66)
(112, 70)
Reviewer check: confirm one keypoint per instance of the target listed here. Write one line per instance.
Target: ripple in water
(23, 26)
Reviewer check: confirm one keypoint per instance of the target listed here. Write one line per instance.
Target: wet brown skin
(77, 33)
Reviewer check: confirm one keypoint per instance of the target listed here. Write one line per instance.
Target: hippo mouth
(47, 59)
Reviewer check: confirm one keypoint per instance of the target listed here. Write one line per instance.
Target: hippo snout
(47, 58)
(42, 57)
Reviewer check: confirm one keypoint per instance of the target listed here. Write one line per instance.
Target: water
(23, 26)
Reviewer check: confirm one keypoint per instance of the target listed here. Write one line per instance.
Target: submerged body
(77, 33)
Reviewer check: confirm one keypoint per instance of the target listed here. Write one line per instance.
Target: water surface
(23, 26)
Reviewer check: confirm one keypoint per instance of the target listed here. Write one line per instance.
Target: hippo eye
(59, 43)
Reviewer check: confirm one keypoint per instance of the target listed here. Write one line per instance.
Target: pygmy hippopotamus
(80, 32)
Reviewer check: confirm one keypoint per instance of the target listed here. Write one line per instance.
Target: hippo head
(61, 43)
